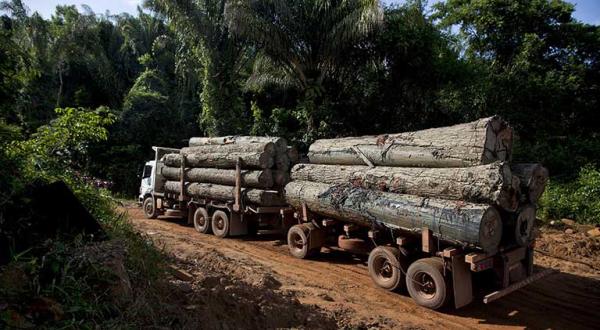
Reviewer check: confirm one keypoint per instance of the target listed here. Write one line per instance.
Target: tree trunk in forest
(492, 183)
(280, 143)
(226, 193)
(466, 223)
(254, 179)
(259, 160)
(266, 147)
(480, 142)
(533, 179)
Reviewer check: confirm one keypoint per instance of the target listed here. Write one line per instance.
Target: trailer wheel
(202, 221)
(149, 208)
(220, 224)
(298, 243)
(426, 283)
(385, 267)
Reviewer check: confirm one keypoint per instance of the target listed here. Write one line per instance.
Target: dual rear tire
(423, 279)
(202, 222)
(218, 224)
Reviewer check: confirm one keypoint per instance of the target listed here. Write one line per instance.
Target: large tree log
(254, 179)
(258, 160)
(467, 223)
(226, 193)
(480, 142)
(533, 179)
(267, 147)
(280, 143)
(491, 183)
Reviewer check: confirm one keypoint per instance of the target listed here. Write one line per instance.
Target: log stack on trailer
(233, 173)
(454, 187)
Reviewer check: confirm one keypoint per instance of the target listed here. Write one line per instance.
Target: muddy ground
(255, 283)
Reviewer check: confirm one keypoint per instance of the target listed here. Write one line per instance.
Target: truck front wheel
(426, 283)
(220, 224)
(385, 267)
(202, 221)
(149, 208)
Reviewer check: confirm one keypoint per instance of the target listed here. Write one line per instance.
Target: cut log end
(490, 230)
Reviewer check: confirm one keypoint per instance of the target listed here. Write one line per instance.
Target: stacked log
(480, 142)
(457, 181)
(208, 168)
(476, 224)
(491, 183)
(225, 193)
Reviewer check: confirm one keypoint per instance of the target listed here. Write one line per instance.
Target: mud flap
(237, 225)
(316, 236)
(461, 281)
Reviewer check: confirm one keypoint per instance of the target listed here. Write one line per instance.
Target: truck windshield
(147, 171)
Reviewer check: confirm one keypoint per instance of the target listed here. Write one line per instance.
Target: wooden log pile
(457, 181)
(207, 168)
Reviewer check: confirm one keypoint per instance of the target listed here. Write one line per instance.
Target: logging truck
(233, 215)
(433, 269)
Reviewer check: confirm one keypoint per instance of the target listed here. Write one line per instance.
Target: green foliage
(61, 145)
(221, 57)
(303, 44)
(578, 200)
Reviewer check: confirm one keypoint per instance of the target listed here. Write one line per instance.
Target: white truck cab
(147, 184)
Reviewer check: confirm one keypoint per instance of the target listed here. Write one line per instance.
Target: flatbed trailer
(434, 272)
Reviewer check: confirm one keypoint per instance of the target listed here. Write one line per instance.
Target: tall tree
(221, 57)
(540, 70)
(302, 43)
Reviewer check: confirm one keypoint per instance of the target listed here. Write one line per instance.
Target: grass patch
(578, 199)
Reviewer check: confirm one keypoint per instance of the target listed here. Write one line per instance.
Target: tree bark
(258, 160)
(492, 183)
(467, 223)
(226, 193)
(280, 143)
(254, 179)
(266, 147)
(533, 179)
(480, 142)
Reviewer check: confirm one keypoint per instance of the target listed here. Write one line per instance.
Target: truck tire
(387, 267)
(202, 221)
(426, 283)
(149, 208)
(220, 224)
(297, 238)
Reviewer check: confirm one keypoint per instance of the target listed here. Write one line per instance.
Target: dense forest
(98, 90)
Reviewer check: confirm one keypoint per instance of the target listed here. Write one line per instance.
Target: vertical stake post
(238, 184)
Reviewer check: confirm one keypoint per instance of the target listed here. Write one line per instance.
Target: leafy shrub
(578, 199)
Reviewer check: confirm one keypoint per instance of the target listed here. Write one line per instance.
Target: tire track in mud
(340, 284)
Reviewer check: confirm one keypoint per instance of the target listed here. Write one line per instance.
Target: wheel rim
(296, 241)
(383, 268)
(220, 224)
(425, 285)
(149, 208)
(200, 221)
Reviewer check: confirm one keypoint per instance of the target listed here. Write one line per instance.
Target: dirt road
(337, 287)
